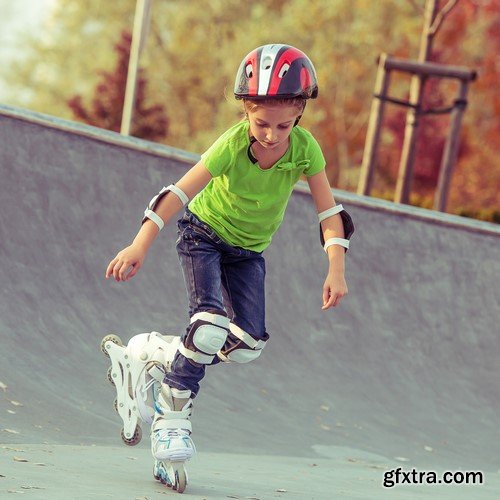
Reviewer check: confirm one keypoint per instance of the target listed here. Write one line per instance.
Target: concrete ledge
(409, 211)
(191, 158)
(99, 134)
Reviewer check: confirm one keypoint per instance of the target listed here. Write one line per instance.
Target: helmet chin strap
(297, 120)
(249, 152)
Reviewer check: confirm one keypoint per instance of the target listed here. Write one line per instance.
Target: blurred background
(69, 59)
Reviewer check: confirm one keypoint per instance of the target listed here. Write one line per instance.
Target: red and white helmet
(276, 71)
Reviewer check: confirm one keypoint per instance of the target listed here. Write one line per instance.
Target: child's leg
(199, 250)
(200, 257)
(243, 278)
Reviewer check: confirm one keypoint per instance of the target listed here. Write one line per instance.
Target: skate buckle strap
(180, 393)
(172, 424)
(156, 372)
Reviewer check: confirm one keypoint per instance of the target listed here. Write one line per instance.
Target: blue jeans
(219, 278)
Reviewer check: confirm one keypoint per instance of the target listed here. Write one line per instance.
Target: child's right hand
(127, 263)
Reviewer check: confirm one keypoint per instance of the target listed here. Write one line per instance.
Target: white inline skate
(171, 443)
(137, 371)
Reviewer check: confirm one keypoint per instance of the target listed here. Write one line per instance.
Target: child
(236, 197)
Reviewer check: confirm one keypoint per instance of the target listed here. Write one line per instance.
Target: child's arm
(335, 286)
(132, 257)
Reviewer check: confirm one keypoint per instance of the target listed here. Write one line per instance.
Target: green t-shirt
(243, 203)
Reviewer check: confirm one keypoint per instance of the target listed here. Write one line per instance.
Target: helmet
(276, 71)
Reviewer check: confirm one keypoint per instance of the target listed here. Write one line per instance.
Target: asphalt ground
(404, 374)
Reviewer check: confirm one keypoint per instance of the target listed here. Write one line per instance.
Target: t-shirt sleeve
(217, 158)
(316, 158)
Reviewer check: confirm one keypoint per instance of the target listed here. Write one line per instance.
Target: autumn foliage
(106, 106)
(477, 175)
(193, 50)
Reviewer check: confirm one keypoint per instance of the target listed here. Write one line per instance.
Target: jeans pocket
(205, 231)
(190, 235)
(197, 226)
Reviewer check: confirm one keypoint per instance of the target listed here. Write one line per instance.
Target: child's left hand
(334, 289)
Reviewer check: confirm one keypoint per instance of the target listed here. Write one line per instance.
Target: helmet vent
(267, 62)
(284, 69)
(248, 70)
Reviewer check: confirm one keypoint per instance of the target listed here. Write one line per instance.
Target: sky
(16, 18)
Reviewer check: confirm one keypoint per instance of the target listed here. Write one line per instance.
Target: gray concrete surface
(404, 373)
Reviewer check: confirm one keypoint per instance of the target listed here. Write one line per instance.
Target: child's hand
(334, 289)
(129, 259)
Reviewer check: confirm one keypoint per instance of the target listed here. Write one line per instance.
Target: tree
(477, 177)
(106, 108)
(468, 37)
(65, 59)
(194, 49)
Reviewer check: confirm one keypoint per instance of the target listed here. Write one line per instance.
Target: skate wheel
(110, 376)
(180, 479)
(110, 338)
(135, 439)
(156, 475)
(160, 474)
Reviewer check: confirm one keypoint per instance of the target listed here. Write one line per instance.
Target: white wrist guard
(346, 221)
(149, 213)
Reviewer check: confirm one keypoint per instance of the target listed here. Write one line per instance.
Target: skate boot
(171, 443)
(137, 371)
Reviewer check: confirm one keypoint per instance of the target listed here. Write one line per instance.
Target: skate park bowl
(404, 374)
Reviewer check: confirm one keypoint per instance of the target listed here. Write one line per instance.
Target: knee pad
(206, 336)
(240, 346)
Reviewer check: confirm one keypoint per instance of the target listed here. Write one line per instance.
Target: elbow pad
(149, 213)
(346, 221)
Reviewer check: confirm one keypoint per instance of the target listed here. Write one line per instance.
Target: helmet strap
(249, 151)
(300, 116)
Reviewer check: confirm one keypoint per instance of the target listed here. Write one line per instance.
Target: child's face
(271, 125)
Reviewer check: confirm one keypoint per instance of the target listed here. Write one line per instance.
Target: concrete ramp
(405, 373)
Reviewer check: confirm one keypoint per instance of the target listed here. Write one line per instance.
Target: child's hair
(253, 104)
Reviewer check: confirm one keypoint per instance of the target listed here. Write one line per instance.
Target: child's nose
(271, 135)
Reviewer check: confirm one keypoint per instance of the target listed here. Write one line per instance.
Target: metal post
(141, 23)
(407, 161)
(451, 150)
(374, 128)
